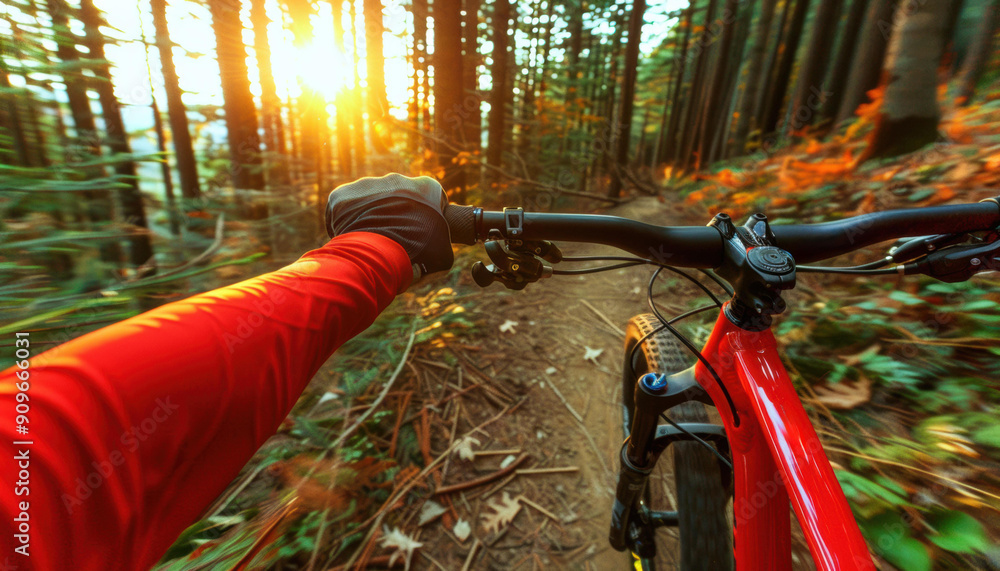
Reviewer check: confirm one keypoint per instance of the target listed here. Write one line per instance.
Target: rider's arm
(137, 427)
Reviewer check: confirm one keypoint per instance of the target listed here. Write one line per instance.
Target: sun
(323, 68)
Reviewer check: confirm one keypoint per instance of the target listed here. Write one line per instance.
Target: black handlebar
(702, 246)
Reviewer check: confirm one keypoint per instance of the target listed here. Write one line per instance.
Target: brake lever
(513, 268)
(515, 264)
(958, 263)
(917, 247)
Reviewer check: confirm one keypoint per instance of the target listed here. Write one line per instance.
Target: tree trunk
(449, 119)
(500, 95)
(538, 147)
(641, 149)
(161, 145)
(526, 119)
(979, 54)
(312, 117)
(10, 118)
(668, 96)
(731, 93)
(670, 145)
(693, 115)
(608, 107)
(867, 66)
(378, 105)
(87, 145)
(140, 248)
(623, 126)
(951, 55)
(343, 123)
(755, 75)
(716, 90)
(842, 63)
(168, 183)
(413, 105)
(771, 68)
(908, 117)
(470, 75)
(776, 96)
(270, 105)
(183, 150)
(356, 104)
(420, 42)
(241, 114)
(311, 104)
(809, 96)
(575, 48)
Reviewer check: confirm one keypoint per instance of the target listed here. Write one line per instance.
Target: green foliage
(891, 537)
(958, 532)
(301, 538)
(873, 496)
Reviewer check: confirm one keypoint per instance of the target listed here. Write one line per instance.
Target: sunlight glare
(322, 67)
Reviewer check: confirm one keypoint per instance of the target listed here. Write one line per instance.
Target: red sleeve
(137, 427)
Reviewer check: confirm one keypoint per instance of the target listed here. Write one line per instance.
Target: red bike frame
(776, 457)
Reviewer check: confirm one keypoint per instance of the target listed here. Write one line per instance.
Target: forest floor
(532, 345)
(512, 396)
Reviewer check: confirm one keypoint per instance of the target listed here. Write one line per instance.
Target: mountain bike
(766, 452)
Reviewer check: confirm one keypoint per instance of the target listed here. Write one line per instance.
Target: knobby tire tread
(705, 530)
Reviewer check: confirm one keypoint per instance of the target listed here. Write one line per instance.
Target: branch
(493, 168)
(385, 390)
(640, 186)
(483, 480)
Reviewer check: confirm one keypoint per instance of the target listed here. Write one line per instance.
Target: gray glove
(409, 211)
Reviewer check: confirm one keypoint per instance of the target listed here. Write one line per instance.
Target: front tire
(706, 537)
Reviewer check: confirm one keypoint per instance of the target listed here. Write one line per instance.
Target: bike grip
(461, 222)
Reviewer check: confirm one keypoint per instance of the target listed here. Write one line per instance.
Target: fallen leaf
(508, 326)
(464, 447)
(961, 171)
(403, 544)
(844, 395)
(328, 396)
(507, 461)
(462, 529)
(430, 511)
(551, 371)
(505, 509)
(592, 354)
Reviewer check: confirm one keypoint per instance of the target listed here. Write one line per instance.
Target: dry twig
(483, 480)
(385, 390)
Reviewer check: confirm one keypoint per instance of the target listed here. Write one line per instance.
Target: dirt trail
(570, 416)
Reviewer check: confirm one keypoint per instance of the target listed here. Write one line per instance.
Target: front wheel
(706, 537)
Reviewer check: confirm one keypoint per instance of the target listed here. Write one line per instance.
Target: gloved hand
(409, 211)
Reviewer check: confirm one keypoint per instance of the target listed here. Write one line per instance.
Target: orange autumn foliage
(331, 484)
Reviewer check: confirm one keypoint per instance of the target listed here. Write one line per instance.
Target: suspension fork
(632, 523)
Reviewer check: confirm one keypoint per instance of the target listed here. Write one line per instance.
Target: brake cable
(638, 261)
(696, 438)
(665, 324)
(690, 346)
(583, 271)
(856, 270)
